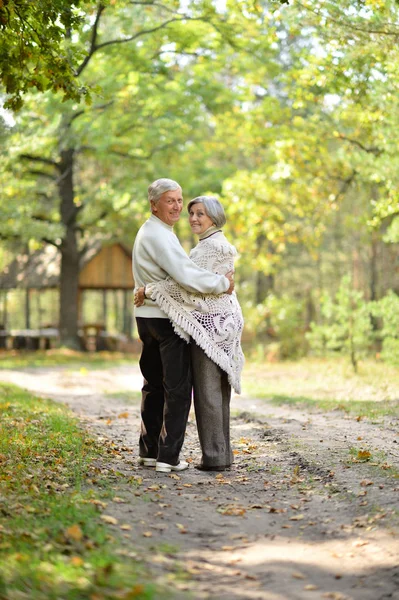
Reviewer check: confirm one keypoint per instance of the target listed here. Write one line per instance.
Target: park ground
(310, 509)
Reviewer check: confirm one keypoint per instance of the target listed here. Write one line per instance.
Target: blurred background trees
(287, 111)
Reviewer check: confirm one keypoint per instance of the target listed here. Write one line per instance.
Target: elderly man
(165, 357)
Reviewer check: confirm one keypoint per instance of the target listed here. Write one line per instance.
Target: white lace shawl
(214, 322)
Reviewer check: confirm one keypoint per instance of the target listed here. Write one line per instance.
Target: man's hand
(230, 277)
(139, 297)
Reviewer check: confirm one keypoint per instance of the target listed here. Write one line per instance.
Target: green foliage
(278, 321)
(35, 49)
(346, 326)
(387, 310)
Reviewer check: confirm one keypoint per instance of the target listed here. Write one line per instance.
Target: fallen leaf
(366, 482)
(310, 587)
(181, 528)
(360, 543)
(231, 510)
(147, 534)
(98, 503)
(119, 500)
(76, 561)
(109, 520)
(123, 415)
(137, 590)
(174, 476)
(298, 575)
(363, 455)
(296, 518)
(74, 532)
(126, 527)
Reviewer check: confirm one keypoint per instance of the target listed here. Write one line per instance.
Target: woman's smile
(198, 219)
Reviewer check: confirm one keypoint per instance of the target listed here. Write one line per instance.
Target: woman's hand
(139, 296)
(230, 277)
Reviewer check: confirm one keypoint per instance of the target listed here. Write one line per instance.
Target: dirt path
(309, 511)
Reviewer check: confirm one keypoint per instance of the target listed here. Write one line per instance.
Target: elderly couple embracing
(189, 322)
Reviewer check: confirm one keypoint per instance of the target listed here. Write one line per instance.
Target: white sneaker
(147, 462)
(162, 467)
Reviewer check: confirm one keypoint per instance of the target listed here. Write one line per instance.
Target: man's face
(168, 207)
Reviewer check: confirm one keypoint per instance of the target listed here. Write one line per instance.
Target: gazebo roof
(41, 269)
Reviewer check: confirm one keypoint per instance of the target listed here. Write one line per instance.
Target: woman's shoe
(162, 467)
(212, 468)
(147, 462)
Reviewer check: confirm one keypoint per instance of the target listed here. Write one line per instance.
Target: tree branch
(94, 34)
(150, 3)
(46, 161)
(371, 150)
(350, 25)
(346, 183)
(41, 174)
(147, 31)
(50, 242)
(44, 219)
(73, 214)
(82, 111)
(139, 157)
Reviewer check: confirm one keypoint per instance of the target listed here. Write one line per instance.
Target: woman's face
(198, 219)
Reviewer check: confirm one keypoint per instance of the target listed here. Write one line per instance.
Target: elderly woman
(214, 324)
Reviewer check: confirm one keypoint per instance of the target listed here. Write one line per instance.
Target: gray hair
(159, 187)
(213, 209)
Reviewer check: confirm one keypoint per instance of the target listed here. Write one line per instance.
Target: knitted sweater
(158, 253)
(214, 322)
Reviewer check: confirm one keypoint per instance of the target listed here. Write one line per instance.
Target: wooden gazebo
(103, 268)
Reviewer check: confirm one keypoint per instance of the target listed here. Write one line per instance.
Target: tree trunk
(264, 282)
(264, 285)
(374, 266)
(69, 276)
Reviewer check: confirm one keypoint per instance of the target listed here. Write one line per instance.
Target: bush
(277, 323)
(347, 326)
(387, 309)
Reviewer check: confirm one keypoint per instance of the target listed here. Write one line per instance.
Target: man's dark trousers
(166, 393)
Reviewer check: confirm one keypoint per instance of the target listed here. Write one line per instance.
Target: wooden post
(27, 309)
(116, 310)
(105, 309)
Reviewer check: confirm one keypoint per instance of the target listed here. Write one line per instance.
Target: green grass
(13, 359)
(53, 543)
(326, 385)
(360, 408)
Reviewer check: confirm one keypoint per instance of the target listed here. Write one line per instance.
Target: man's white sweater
(157, 253)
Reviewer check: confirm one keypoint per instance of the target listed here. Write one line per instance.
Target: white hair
(213, 209)
(159, 187)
